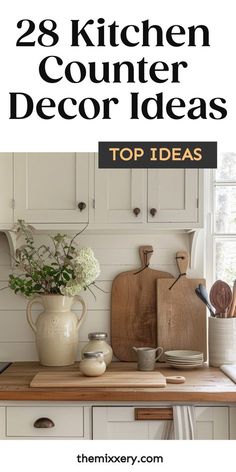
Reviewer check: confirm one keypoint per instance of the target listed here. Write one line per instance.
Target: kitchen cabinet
(51, 188)
(115, 422)
(173, 195)
(167, 197)
(40, 420)
(120, 196)
(66, 189)
(2, 422)
(6, 189)
(91, 421)
(232, 415)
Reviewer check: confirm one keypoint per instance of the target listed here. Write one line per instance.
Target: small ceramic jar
(97, 342)
(93, 364)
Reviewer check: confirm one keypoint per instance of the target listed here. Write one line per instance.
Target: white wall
(116, 253)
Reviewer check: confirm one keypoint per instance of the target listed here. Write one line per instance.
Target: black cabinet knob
(153, 211)
(81, 206)
(136, 211)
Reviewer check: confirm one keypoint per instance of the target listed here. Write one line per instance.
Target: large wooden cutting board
(181, 316)
(108, 379)
(133, 308)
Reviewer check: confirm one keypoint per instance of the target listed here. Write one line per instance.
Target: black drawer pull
(44, 423)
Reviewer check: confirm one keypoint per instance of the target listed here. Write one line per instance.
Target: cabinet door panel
(173, 193)
(6, 188)
(212, 422)
(117, 193)
(232, 422)
(68, 421)
(2, 422)
(48, 187)
(119, 423)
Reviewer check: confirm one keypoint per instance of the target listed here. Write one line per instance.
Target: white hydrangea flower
(86, 269)
(72, 288)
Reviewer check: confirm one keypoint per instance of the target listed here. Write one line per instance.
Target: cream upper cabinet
(6, 189)
(167, 197)
(50, 187)
(120, 195)
(173, 195)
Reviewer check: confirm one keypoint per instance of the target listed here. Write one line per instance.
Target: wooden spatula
(221, 297)
(233, 304)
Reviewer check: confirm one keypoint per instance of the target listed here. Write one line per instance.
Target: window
(224, 218)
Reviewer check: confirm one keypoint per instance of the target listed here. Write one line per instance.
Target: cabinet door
(2, 422)
(117, 193)
(232, 420)
(119, 423)
(48, 187)
(212, 422)
(6, 188)
(173, 193)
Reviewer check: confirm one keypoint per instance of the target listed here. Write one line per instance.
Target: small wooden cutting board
(133, 308)
(135, 379)
(181, 316)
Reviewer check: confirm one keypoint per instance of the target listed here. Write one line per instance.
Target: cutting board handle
(145, 253)
(182, 259)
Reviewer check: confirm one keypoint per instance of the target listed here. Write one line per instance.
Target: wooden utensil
(233, 304)
(175, 379)
(221, 297)
(133, 308)
(181, 316)
(108, 379)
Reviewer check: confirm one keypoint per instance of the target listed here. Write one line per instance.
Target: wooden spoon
(233, 304)
(221, 297)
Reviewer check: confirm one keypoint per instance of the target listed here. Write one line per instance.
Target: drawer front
(68, 421)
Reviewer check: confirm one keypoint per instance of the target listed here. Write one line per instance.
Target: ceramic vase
(222, 341)
(56, 329)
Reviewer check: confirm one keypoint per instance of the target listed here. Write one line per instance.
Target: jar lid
(92, 354)
(98, 335)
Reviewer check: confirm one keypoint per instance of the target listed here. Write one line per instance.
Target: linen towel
(183, 425)
(229, 370)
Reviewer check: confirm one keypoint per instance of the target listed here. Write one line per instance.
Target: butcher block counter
(205, 384)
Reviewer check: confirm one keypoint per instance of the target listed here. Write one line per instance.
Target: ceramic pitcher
(56, 329)
(147, 357)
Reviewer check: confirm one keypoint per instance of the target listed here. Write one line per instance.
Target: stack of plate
(184, 359)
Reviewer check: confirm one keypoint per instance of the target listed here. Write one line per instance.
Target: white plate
(183, 354)
(184, 362)
(184, 367)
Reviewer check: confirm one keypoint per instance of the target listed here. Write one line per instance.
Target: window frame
(210, 222)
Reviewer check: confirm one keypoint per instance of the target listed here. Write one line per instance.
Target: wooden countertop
(206, 384)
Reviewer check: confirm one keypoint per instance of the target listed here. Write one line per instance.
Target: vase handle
(84, 311)
(29, 314)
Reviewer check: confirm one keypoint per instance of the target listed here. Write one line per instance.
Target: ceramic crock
(222, 341)
(93, 364)
(56, 329)
(98, 342)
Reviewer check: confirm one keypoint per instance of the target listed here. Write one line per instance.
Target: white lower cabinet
(120, 423)
(45, 421)
(212, 422)
(88, 421)
(2, 422)
(232, 417)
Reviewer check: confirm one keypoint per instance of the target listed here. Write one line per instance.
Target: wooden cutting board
(109, 379)
(181, 316)
(133, 308)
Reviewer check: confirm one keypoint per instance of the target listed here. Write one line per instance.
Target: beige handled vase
(56, 328)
